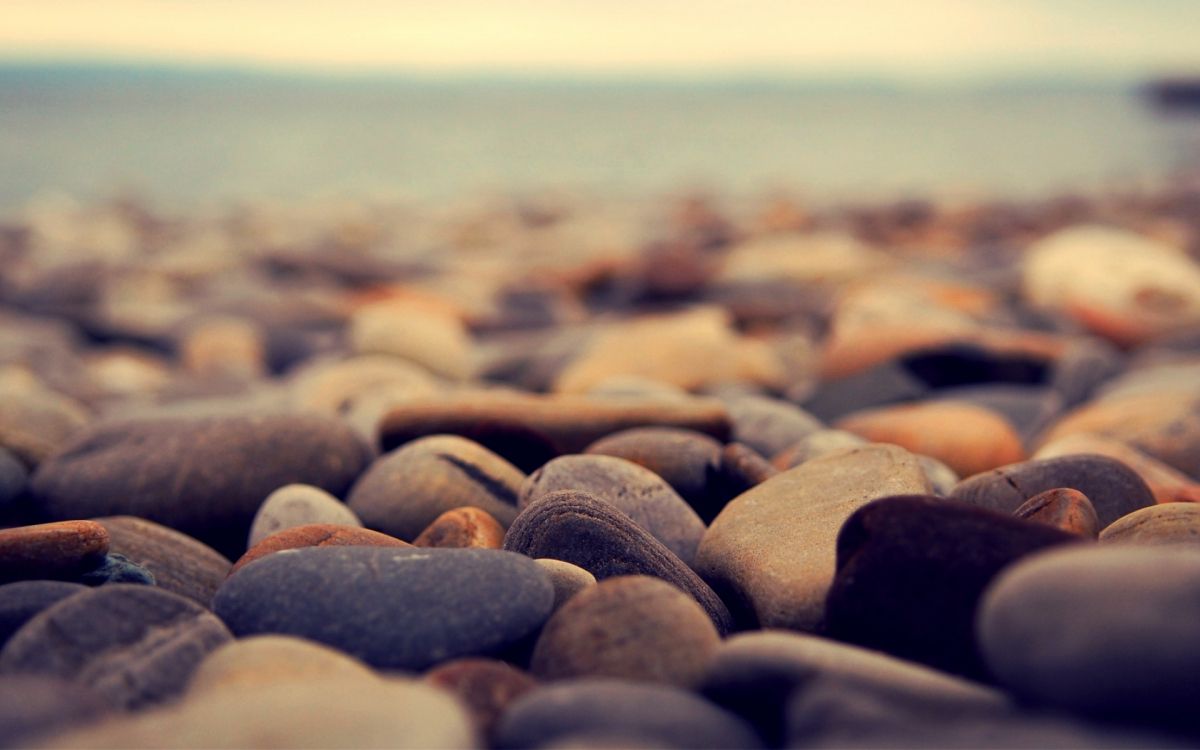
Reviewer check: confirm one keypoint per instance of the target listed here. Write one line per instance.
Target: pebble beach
(555, 471)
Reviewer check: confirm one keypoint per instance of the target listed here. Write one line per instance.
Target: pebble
(462, 527)
(660, 715)
(13, 477)
(178, 563)
(1065, 509)
(967, 438)
(265, 660)
(636, 491)
(1103, 630)
(440, 343)
(1113, 487)
(769, 425)
(404, 491)
(529, 429)
(411, 608)
(315, 535)
(224, 347)
(332, 387)
(298, 505)
(567, 579)
(33, 707)
(134, 645)
(333, 713)
(36, 422)
(772, 550)
(1164, 524)
(758, 676)
(485, 687)
(21, 600)
(817, 444)
(1168, 484)
(880, 385)
(687, 460)
(1030, 409)
(911, 571)
(204, 476)
(64, 549)
(584, 530)
(634, 628)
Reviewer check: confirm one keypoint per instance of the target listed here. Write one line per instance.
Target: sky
(917, 39)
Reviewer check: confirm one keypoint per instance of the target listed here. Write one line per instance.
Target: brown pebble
(180, 564)
(316, 535)
(463, 527)
(567, 578)
(1162, 524)
(51, 550)
(1063, 508)
(485, 687)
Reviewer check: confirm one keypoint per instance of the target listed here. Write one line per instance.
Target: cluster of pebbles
(561, 474)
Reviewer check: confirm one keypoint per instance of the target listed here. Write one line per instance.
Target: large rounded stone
(21, 600)
(392, 608)
(1169, 523)
(773, 548)
(179, 563)
(1169, 485)
(298, 505)
(1100, 629)
(911, 571)
(406, 490)
(64, 549)
(636, 491)
(205, 476)
(134, 645)
(584, 530)
(685, 459)
(264, 660)
(1113, 487)
(661, 715)
(529, 429)
(630, 627)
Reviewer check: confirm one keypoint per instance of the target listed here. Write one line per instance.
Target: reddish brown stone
(51, 550)
(316, 535)
(486, 687)
(463, 527)
(1063, 508)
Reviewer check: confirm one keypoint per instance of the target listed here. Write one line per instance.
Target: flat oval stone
(967, 438)
(757, 675)
(1114, 489)
(33, 707)
(406, 490)
(1064, 509)
(485, 687)
(264, 660)
(629, 627)
(586, 531)
(392, 608)
(134, 645)
(204, 476)
(685, 459)
(1104, 629)
(179, 563)
(662, 715)
(773, 548)
(1168, 523)
(64, 549)
(530, 429)
(636, 491)
(298, 505)
(911, 571)
(332, 713)
(316, 535)
(567, 579)
(463, 527)
(21, 600)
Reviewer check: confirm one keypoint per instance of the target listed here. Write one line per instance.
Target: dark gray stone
(21, 600)
(888, 383)
(635, 491)
(584, 530)
(134, 645)
(395, 608)
(662, 715)
(205, 476)
(769, 425)
(1114, 489)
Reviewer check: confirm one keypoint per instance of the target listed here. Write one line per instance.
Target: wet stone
(584, 530)
(315, 535)
(1065, 509)
(298, 505)
(462, 527)
(392, 608)
(638, 492)
(911, 571)
(630, 627)
(404, 491)
(112, 639)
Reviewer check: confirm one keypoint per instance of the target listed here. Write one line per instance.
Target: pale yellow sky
(941, 38)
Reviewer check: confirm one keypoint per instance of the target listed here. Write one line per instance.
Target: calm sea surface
(186, 138)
